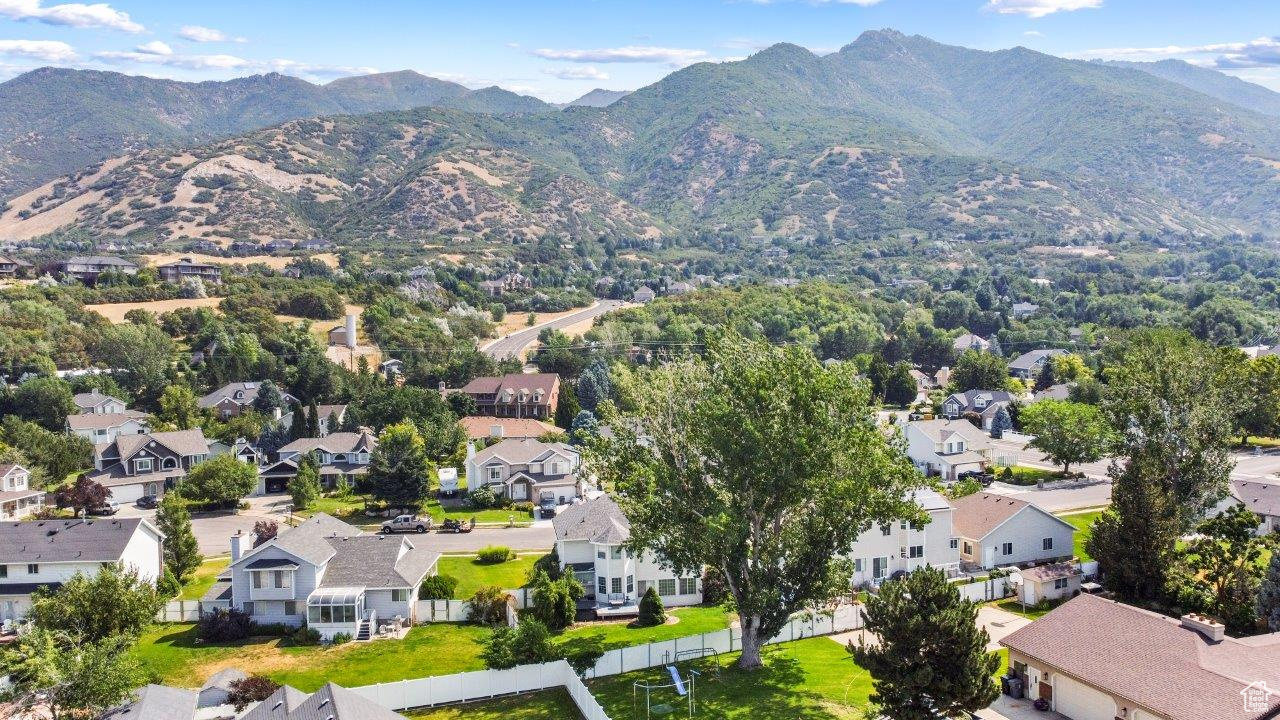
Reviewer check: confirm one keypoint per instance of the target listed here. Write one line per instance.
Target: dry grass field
(271, 261)
(115, 312)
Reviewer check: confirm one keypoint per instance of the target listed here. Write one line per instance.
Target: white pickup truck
(406, 523)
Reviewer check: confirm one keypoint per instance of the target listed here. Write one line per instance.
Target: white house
(527, 469)
(643, 294)
(969, 341)
(17, 498)
(330, 574)
(148, 464)
(997, 530)
(325, 412)
(946, 448)
(1054, 581)
(589, 542)
(341, 457)
(901, 547)
(96, 402)
(106, 427)
(36, 553)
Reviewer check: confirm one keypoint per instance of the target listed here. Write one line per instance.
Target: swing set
(687, 690)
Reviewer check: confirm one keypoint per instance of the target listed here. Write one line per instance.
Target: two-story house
(969, 341)
(884, 551)
(519, 395)
(1029, 365)
(98, 403)
(330, 575)
(527, 469)
(986, 403)
(17, 498)
(38, 553)
(947, 448)
(176, 272)
(234, 398)
(87, 268)
(12, 267)
(147, 464)
(326, 413)
(998, 530)
(341, 457)
(106, 427)
(590, 539)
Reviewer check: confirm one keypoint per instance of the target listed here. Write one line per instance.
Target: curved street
(512, 344)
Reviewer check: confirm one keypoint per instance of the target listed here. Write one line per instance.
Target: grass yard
(1030, 612)
(473, 575)
(692, 621)
(174, 655)
(351, 510)
(545, 705)
(1023, 475)
(1083, 523)
(203, 578)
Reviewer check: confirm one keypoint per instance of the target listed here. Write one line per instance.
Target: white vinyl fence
(986, 590)
(179, 611)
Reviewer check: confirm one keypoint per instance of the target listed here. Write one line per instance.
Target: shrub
(651, 610)
(1007, 473)
(340, 638)
(224, 625)
(528, 642)
(555, 602)
(168, 587)
(306, 636)
(482, 498)
(494, 554)
(488, 606)
(252, 689)
(272, 630)
(524, 506)
(549, 564)
(438, 587)
(714, 589)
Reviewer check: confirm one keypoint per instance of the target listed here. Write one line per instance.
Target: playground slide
(675, 677)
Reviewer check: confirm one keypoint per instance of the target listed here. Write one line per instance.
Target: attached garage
(1081, 702)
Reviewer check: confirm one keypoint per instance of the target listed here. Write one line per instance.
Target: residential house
(1023, 310)
(392, 368)
(1097, 659)
(147, 464)
(234, 398)
(527, 469)
(946, 448)
(519, 395)
(998, 530)
(483, 428)
(157, 702)
(330, 575)
(1044, 583)
(643, 294)
(331, 702)
(17, 498)
(314, 245)
(1260, 498)
(924, 383)
(95, 401)
(887, 550)
(87, 268)
(241, 450)
(336, 412)
(942, 377)
(507, 283)
(1059, 391)
(986, 403)
(342, 457)
(680, 288)
(1029, 365)
(35, 553)
(12, 267)
(590, 539)
(176, 272)
(969, 341)
(106, 427)
(217, 689)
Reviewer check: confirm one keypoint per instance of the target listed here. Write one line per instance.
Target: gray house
(997, 530)
(986, 403)
(1028, 365)
(147, 463)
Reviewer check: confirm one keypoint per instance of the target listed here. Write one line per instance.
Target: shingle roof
(1151, 660)
(93, 399)
(309, 541)
(339, 442)
(377, 561)
(249, 390)
(521, 451)
(941, 430)
(36, 541)
(181, 442)
(1261, 498)
(157, 702)
(331, 702)
(598, 521)
(98, 260)
(1027, 359)
(481, 427)
(102, 421)
(532, 383)
(1052, 571)
(980, 513)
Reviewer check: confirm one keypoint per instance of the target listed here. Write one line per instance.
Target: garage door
(126, 493)
(1081, 702)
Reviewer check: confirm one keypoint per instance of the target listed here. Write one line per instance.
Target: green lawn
(473, 575)
(693, 621)
(1083, 523)
(172, 653)
(1031, 613)
(351, 509)
(545, 705)
(203, 578)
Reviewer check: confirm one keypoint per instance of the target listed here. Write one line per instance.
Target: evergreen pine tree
(181, 551)
(651, 610)
(304, 488)
(313, 420)
(298, 421)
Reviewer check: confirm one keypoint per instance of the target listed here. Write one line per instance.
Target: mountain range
(890, 133)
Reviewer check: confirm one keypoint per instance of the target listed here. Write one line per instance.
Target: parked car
(148, 502)
(108, 507)
(547, 508)
(406, 523)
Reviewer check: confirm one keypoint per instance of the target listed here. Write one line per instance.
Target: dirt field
(520, 320)
(271, 261)
(115, 311)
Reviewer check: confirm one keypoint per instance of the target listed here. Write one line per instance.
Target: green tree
(181, 551)
(931, 660)
(304, 488)
(1258, 401)
(46, 401)
(313, 420)
(555, 602)
(900, 386)
(178, 407)
(399, 471)
(143, 352)
(70, 677)
(1133, 539)
(527, 643)
(1269, 594)
(567, 408)
(80, 606)
(594, 385)
(220, 481)
(651, 611)
(57, 453)
(1001, 423)
(1066, 432)
(1224, 568)
(297, 421)
(757, 461)
(82, 495)
(269, 398)
(976, 370)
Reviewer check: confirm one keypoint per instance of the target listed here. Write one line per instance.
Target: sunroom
(333, 610)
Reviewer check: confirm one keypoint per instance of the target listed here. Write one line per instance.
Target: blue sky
(559, 49)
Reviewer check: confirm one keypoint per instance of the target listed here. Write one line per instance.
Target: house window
(688, 586)
(142, 465)
(1046, 544)
(1060, 584)
(616, 585)
(917, 551)
(915, 525)
(602, 586)
(4, 571)
(902, 525)
(600, 554)
(257, 581)
(615, 552)
(667, 586)
(279, 579)
(857, 565)
(399, 595)
(248, 608)
(631, 584)
(290, 607)
(879, 567)
(954, 543)
(1006, 549)
(886, 530)
(968, 549)
(33, 568)
(495, 474)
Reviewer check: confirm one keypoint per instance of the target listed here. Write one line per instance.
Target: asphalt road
(511, 344)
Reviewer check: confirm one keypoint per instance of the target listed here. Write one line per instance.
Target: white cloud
(201, 34)
(46, 50)
(305, 69)
(1262, 52)
(155, 47)
(190, 62)
(586, 72)
(629, 54)
(1033, 33)
(1039, 8)
(70, 14)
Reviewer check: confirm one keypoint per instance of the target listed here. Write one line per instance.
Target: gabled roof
(377, 561)
(522, 451)
(1027, 360)
(180, 442)
(339, 442)
(1151, 659)
(978, 514)
(157, 702)
(98, 260)
(1258, 497)
(331, 702)
(478, 427)
(599, 521)
(535, 387)
(941, 430)
(309, 541)
(103, 421)
(248, 391)
(969, 397)
(37, 541)
(1052, 571)
(93, 399)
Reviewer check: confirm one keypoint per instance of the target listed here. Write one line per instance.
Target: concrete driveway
(999, 624)
(1006, 708)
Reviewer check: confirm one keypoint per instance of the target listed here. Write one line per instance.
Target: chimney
(1211, 629)
(351, 331)
(277, 413)
(235, 545)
